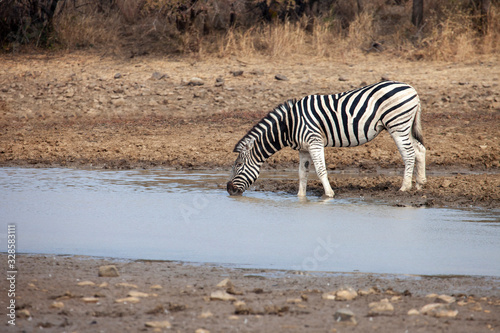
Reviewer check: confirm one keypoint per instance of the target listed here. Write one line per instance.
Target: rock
(381, 307)
(347, 294)
(413, 312)
(219, 82)
(438, 310)
(85, 283)
(329, 295)
(237, 73)
(226, 283)
(385, 77)
(367, 291)
(57, 305)
(195, 81)
(90, 299)
(205, 314)
(135, 293)
(294, 300)
(103, 285)
(280, 77)
(128, 300)
(126, 285)
(345, 316)
(159, 324)
(445, 184)
(221, 295)
(118, 76)
(156, 287)
(23, 313)
(118, 102)
(395, 299)
(343, 78)
(445, 299)
(201, 330)
(200, 94)
(158, 76)
(241, 308)
(108, 271)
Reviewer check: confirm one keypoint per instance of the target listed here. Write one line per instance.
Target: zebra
(346, 119)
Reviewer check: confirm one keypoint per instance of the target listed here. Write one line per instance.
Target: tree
(417, 14)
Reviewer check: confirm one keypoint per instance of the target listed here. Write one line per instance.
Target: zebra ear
(244, 145)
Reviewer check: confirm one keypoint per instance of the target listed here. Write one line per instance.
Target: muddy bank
(86, 111)
(65, 293)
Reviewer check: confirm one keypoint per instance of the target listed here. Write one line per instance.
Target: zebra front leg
(317, 153)
(305, 162)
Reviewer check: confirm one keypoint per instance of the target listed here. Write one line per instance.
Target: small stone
(385, 77)
(431, 295)
(126, 285)
(226, 283)
(294, 300)
(395, 299)
(445, 299)
(241, 308)
(445, 184)
(438, 310)
(221, 295)
(413, 312)
(86, 283)
(195, 81)
(108, 271)
(128, 300)
(156, 287)
(90, 299)
(118, 102)
(104, 285)
(118, 76)
(158, 76)
(364, 292)
(135, 293)
(23, 313)
(57, 305)
(219, 82)
(201, 330)
(237, 73)
(329, 295)
(159, 324)
(343, 79)
(280, 77)
(346, 294)
(200, 94)
(345, 316)
(205, 314)
(380, 307)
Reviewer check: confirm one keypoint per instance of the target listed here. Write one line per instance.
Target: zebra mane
(277, 111)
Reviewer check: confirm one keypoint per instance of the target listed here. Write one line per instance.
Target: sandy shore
(65, 294)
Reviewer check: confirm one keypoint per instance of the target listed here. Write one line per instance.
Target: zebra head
(245, 169)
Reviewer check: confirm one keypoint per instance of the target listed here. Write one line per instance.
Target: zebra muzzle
(232, 190)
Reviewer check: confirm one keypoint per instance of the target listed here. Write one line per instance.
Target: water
(169, 215)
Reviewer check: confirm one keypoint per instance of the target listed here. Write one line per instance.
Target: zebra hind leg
(407, 151)
(420, 164)
(317, 153)
(305, 162)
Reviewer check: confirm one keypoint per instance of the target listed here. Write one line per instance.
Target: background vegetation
(450, 30)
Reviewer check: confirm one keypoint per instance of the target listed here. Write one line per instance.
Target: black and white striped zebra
(347, 119)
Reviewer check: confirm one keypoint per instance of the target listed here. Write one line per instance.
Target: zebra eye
(239, 165)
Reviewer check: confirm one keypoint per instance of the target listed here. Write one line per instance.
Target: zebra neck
(270, 137)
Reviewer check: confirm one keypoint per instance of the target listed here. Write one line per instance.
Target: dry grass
(449, 33)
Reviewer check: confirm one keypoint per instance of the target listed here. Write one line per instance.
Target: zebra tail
(416, 130)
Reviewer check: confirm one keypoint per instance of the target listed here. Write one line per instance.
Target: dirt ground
(82, 110)
(65, 294)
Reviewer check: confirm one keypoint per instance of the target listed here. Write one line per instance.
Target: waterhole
(188, 216)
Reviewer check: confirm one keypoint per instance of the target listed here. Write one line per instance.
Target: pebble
(221, 295)
(347, 294)
(237, 73)
(158, 76)
(86, 283)
(219, 82)
(345, 316)
(159, 324)
(118, 76)
(108, 271)
(135, 293)
(343, 79)
(90, 299)
(241, 308)
(445, 299)
(329, 295)
(438, 310)
(385, 77)
(201, 330)
(57, 305)
(364, 292)
(195, 81)
(126, 285)
(128, 300)
(205, 314)
(23, 313)
(413, 312)
(380, 307)
(156, 287)
(280, 77)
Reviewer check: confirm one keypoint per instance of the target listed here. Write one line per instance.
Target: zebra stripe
(346, 119)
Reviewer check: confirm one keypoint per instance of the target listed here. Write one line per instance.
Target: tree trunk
(417, 14)
(485, 9)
